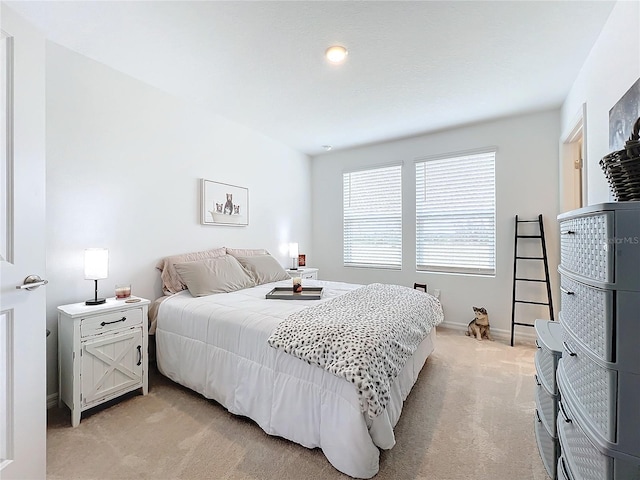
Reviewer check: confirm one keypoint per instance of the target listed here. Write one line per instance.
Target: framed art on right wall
(622, 116)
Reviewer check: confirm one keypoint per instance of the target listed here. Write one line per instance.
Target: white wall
(526, 184)
(611, 68)
(123, 167)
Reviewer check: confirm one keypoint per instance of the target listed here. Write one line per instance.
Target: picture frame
(302, 260)
(223, 204)
(622, 116)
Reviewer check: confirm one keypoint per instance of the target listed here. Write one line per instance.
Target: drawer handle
(564, 414)
(537, 381)
(102, 324)
(569, 351)
(568, 292)
(538, 416)
(139, 355)
(568, 232)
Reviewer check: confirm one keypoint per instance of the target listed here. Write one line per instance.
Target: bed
(219, 346)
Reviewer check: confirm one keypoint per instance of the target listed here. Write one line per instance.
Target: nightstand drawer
(305, 273)
(95, 325)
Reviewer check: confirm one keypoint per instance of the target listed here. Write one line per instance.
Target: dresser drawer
(607, 406)
(546, 370)
(594, 387)
(547, 408)
(585, 246)
(588, 313)
(549, 343)
(563, 472)
(97, 324)
(604, 321)
(548, 447)
(583, 459)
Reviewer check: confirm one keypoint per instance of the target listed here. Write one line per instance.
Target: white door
(572, 166)
(22, 250)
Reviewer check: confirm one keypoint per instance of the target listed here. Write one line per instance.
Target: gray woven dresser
(549, 343)
(598, 422)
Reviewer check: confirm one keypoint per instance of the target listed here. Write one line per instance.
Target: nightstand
(102, 353)
(304, 273)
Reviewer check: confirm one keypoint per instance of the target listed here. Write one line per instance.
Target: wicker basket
(622, 168)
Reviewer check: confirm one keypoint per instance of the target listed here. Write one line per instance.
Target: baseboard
(527, 336)
(52, 400)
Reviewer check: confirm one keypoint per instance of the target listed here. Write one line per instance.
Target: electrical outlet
(436, 293)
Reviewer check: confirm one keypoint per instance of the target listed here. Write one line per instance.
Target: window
(456, 213)
(372, 217)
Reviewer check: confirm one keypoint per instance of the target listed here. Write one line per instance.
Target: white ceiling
(413, 67)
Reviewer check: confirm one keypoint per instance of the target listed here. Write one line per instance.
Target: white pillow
(264, 268)
(171, 282)
(214, 275)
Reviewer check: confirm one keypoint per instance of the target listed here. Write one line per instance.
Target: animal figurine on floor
(479, 326)
(228, 206)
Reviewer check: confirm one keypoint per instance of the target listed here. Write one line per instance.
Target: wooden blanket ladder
(516, 260)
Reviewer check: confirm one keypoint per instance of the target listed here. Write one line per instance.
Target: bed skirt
(289, 398)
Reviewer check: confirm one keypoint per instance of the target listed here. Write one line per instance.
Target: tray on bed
(286, 293)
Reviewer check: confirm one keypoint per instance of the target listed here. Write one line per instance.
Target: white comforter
(217, 346)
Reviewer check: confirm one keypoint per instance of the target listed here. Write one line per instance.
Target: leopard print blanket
(364, 336)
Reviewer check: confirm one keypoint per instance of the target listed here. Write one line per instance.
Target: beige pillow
(246, 252)
(214, 275)
(171, 281)
(264, 268)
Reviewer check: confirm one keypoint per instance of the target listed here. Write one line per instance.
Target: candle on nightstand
(123, 291)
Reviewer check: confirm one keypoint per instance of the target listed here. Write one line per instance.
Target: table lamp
(96, 267)
(293, 253)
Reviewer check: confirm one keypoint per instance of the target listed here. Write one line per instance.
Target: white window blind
(456, 214)
(372, 217)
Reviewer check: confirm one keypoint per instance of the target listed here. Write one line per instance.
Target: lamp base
(95, 301)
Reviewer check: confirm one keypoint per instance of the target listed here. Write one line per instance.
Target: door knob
(32, 282)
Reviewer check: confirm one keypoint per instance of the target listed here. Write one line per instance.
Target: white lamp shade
(96, 263)
(293, 250)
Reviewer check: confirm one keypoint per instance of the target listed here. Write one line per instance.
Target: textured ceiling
(413, 67)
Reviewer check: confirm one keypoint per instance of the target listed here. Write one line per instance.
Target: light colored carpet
(469, 416)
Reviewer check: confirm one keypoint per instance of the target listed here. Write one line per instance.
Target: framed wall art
(622, 116)
(223, 204)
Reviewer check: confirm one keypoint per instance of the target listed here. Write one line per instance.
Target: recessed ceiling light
(327, 147)
(336, 54)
